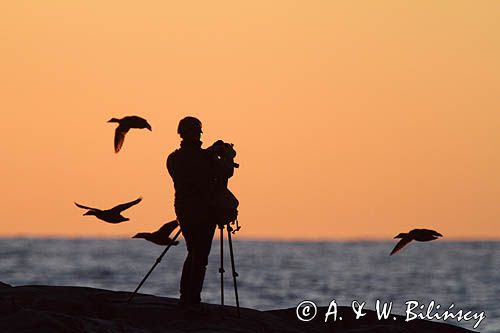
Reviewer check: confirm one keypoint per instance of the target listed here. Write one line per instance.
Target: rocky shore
(79, 309)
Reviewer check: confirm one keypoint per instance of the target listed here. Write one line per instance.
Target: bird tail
(140, 235)
(402, 235)
(114, 120)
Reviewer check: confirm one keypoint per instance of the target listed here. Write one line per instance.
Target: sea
(279, 274)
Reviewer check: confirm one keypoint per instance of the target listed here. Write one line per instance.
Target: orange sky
(352, 120)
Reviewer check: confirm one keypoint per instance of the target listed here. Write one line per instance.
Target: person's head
(189, 128)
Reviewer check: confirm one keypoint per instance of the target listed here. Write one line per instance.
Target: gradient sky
(352, 119)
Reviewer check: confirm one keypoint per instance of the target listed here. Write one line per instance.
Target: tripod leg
(229, 229)
(221, 268)
(154, 266)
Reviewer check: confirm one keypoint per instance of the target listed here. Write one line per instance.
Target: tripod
(221, 268)
(158, 260)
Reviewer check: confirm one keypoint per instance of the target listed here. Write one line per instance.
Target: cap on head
(189, 125)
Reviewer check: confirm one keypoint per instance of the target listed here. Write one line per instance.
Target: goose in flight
(420, 235)
(112, 215)
(124, 125)
(162, 235)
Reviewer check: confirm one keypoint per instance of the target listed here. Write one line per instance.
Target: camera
(223, 151)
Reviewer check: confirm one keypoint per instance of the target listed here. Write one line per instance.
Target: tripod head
(230, 225)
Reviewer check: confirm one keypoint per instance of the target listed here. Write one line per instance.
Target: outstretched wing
(435, 233)
(85, 207)
(402, 243)
(120, 137)
(127, 205)
(167, 228)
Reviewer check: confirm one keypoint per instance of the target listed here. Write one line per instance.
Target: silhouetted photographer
(202, 201)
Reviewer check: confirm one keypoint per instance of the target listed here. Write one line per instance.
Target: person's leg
(200, 253)
(185, 280)
(185, 284)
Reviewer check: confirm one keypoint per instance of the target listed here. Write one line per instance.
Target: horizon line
(256, 239)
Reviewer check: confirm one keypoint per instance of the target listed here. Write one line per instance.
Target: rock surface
(79, 309)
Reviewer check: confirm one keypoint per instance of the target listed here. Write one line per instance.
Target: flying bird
(420, 235)
(112, 215)
(162, 235)
(124, 125)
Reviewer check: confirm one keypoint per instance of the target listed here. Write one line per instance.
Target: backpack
(225, 207)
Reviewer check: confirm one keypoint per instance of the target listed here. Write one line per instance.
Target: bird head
(148, 127)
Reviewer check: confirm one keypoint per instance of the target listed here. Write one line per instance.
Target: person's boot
(197, 310)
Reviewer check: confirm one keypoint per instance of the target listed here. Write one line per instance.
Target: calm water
(277, 274)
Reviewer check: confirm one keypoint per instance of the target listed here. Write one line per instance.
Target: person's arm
(177, 170)
(170, 164)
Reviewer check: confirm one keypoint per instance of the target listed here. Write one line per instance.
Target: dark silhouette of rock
(112, 215)
(124, 125)
(421, 235)
(80, 309)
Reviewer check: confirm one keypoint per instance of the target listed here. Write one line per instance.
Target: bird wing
(139, 122)
(84, 207)
(402, 243)
(146, 124)
(435, 233)
(127, 205)
(167, 228)
(120, 137)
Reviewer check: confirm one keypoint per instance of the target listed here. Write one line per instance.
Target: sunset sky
(352, 119)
